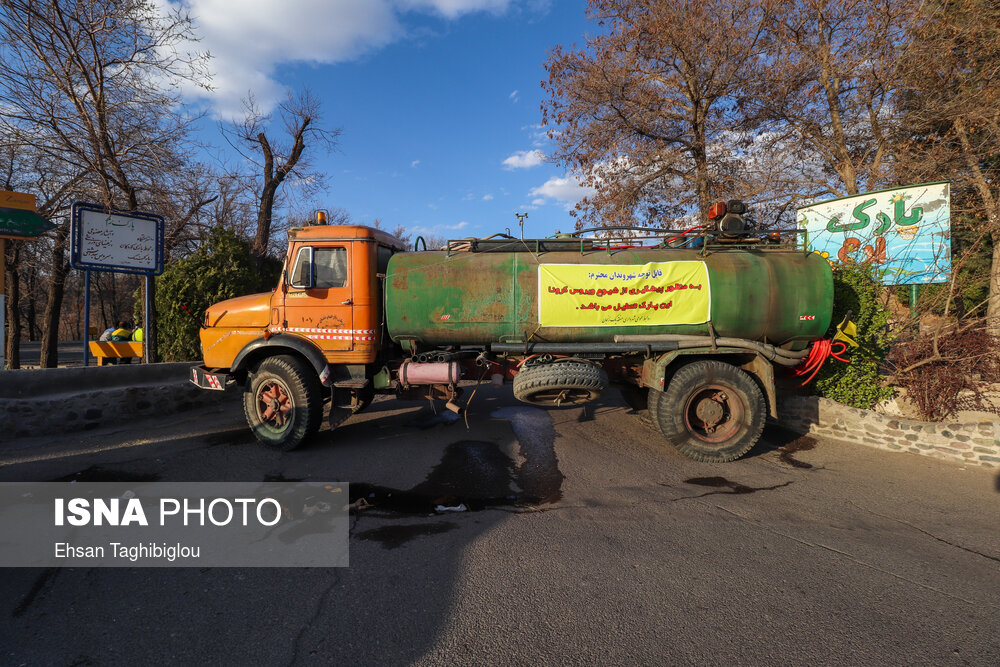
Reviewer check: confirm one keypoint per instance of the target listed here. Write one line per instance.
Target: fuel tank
(783, 297)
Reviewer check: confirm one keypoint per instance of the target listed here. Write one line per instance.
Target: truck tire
(559, 384)
(711, 411)
(283, 402)
(653, 403)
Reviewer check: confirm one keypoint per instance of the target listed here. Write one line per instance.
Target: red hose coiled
(820, 352)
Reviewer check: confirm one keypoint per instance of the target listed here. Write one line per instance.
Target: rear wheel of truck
(561, 383)
(283, 402)
(711, 411)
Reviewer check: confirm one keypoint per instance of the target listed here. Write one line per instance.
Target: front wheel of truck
(283, 402)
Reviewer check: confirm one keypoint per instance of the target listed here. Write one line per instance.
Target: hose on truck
(769, 352)
(807, 361)
(820, 351)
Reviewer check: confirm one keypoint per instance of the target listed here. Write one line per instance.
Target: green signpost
(18, 221)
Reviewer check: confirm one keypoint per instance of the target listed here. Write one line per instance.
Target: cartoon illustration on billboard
(904, 232)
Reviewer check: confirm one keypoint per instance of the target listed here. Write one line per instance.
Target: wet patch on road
(472, 473)
(478, 474)
(803, 443)
(732, 488)
(538, 476)
(396, 535)
(426, 420)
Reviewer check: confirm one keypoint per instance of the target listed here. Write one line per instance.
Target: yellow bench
(103, 351)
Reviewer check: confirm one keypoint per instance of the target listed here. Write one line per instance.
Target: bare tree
(951, 77)
(828, 99)
(277, 161)
(93, 84)
(645, 112)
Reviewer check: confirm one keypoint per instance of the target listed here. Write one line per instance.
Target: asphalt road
(586, 542)
(70, 353)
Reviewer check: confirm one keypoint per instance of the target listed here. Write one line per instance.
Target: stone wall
(971, 442)
(66, 400)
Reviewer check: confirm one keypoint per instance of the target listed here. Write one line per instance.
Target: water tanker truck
(691, 324)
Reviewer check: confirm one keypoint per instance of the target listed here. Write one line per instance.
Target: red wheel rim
(274, 405)
(713, 413)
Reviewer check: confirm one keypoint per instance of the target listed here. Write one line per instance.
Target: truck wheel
(711, 411)
(283, 402)
(653, 403)
(560, 383)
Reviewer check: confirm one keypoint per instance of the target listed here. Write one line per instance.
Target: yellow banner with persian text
(599, 295)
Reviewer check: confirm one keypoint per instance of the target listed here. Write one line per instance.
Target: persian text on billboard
(904, 232)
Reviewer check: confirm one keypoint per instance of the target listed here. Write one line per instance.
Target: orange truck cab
(327, 313)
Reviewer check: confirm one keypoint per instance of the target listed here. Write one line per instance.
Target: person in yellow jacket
(137, 334)
(121, 335)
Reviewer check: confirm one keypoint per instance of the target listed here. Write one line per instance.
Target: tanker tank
(781, 296)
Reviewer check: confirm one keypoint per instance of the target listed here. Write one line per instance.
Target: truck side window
(330, 265)
(302, 268)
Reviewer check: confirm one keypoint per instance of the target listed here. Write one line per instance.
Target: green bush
(220, 269)
(858, 384)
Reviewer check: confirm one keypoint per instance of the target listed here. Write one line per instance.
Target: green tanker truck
(690, 324)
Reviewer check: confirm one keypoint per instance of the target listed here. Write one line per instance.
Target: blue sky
(438, 101)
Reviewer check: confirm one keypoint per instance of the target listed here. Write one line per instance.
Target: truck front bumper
(206, 378)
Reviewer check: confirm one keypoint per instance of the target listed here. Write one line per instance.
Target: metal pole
(145, 323)
(86, 317)
(3, 303)
(914, 295)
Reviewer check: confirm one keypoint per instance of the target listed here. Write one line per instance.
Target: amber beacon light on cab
(690, 323)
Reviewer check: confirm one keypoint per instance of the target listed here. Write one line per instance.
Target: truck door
(319, 303)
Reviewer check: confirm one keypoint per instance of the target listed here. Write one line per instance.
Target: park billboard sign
(905, 232)
(107, 239)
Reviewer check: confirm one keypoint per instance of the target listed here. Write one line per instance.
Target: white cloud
(487, 197)
(249, 39)
(566, 189)
(524, 160)
(538, 202)
(515, 96)
(415, 163)
(454, 8)
(437, 230)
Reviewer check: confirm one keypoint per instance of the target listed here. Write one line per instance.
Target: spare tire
(561, 383)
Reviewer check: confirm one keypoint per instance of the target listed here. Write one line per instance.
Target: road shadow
(784, 442)
(407, 546)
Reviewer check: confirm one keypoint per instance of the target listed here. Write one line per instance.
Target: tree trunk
(992, 207)
(150, 351)
(49, 356)
(13, 306)
(993, 305)
(265, 213)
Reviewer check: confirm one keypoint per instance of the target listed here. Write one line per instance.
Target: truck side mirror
(303, 274)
